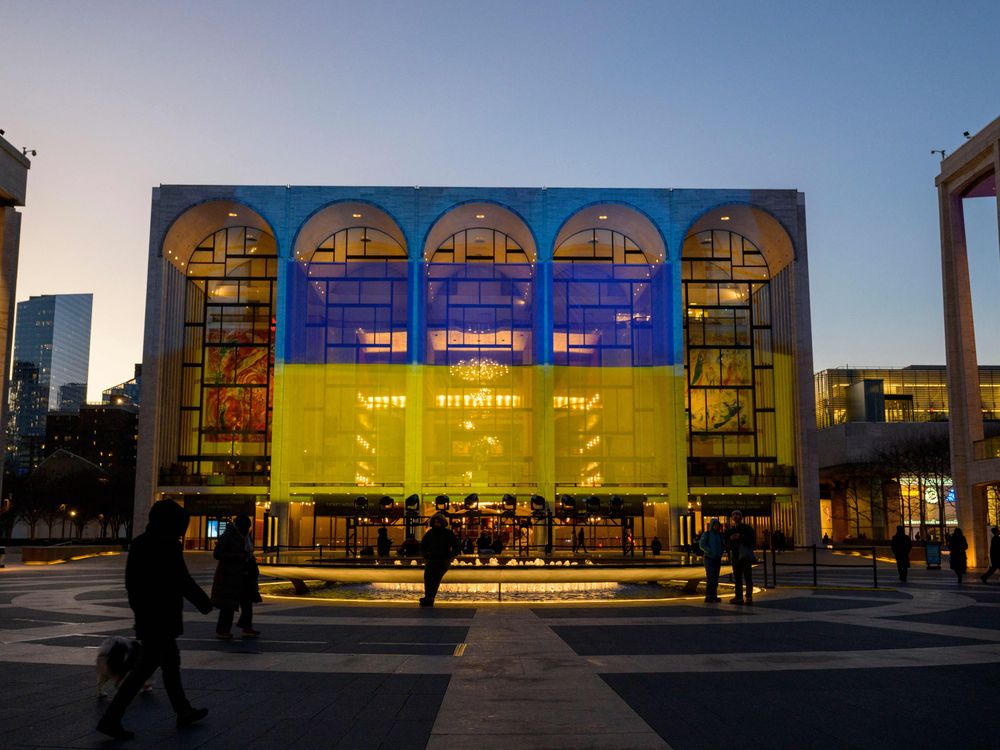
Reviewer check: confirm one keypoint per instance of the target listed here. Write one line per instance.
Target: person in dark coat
(158, 582)
(439, 547)
(958, 559)
(235, 585)
(383, 545)
(741, 540)
(656, 545)
(581, 542)
(901, 545)
(994, 554)
(409, 548)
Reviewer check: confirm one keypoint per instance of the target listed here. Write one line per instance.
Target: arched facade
(515, 342)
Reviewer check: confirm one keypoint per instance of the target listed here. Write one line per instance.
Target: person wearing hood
(235, 585)
(439, 547)
(712, 546)
(158, 582)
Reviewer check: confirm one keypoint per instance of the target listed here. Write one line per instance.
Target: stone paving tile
(387, 612)
(817, 604)
(943, 708)
(57, 707)
(341, 639)
(674, 610)
(969, 617)
(746, 637)
(15, 618)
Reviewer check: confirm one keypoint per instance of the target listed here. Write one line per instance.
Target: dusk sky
(843, 101)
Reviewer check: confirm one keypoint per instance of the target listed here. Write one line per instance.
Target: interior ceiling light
(233, 214)
(480, 216)
(602, 217)
(723, 218)
(356, 216)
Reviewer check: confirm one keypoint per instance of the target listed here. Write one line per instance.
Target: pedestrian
(235, 583)
(778, 541)
(383, 544)
(994, 554)
(826, 540)
(581, 542)
(158, 582)
(712, 546)
(958, 560)
(901, 545)
(656, 545)
(439, 547)
(742, 540)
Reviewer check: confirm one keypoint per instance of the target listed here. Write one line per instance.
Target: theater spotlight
(593, 503)
(442, 503)
(361, 503)
(537, 506)
(509, 505)
(412, 505)
(385, 503)
(567, 503)
(472, 501)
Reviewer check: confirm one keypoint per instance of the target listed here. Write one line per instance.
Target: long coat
(156, 578)
(958, 546)
(236, 574)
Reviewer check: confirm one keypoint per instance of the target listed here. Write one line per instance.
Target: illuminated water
(478, 592)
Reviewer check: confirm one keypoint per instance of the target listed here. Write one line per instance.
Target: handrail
(815, 565)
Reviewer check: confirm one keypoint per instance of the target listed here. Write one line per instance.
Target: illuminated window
(728, 358)
(348, 304)
(228, 360)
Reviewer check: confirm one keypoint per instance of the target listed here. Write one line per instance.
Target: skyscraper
(51, 352)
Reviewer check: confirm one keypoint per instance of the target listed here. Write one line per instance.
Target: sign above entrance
(724, 505)
(219, 505)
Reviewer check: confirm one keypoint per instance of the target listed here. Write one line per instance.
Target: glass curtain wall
(728, 360)
(478, 394)
(228, 361)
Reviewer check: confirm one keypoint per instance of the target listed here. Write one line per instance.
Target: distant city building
(917, 393)
(51, 352)
(868, 415)
(104, 434)
(124, 393)
(14, 168)
(72, 396)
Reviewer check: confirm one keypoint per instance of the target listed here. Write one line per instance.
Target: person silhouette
(439, 547)
(958, 558)
(158, 582)
(901, 544)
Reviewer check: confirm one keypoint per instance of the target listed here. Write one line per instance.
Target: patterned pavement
(912, 666)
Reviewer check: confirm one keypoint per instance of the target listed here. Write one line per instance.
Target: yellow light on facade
(480, 216)
(723, 218)
(356, 216)
(233, 214)
(603, 217)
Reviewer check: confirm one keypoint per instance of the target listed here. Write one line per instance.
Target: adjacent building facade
(969, 173)
(310, 348)
(13, 191)
(51, 361)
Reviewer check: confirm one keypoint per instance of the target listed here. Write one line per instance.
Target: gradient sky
(843, 101)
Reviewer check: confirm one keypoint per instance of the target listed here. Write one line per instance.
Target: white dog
(115, 659)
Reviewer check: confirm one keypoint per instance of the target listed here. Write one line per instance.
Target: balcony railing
(174, 479)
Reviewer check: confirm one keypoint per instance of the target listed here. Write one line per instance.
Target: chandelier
(478, 370)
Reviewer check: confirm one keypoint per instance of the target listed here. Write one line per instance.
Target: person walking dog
(158, 582)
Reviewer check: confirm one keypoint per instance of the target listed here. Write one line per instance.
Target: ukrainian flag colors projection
(488, 407)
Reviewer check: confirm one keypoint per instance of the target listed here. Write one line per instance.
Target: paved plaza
(914, 666)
